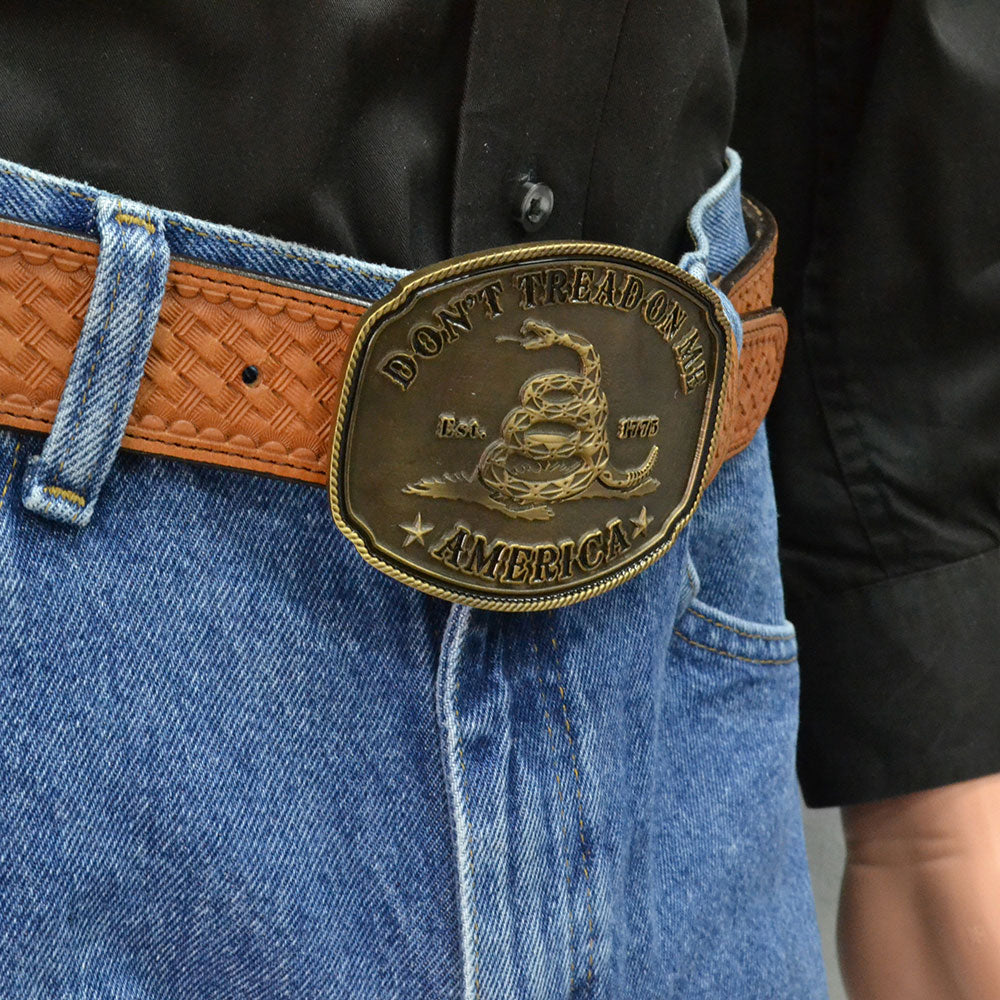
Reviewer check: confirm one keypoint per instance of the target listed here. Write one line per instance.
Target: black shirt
(391, 130)
(881, 162)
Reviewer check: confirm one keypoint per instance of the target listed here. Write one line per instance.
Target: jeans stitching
(579, 811)
(281, 253)
(382, 279)
(733, 656)
(729, 628)
(562, 815)
(58, 491)
(468, 846)
(10, 474)
(58, 187)
(125, 219)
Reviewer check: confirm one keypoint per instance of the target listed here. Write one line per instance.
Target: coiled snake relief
(554, 445)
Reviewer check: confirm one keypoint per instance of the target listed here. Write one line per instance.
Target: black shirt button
(533, 205)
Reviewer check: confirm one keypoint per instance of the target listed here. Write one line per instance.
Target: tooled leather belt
(514, 430)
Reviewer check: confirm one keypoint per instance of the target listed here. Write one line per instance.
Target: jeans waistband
(137, 242)
(27, 195)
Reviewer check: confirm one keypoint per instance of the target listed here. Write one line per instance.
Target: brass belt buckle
(529, 427)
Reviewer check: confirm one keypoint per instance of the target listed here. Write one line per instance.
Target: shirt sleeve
(874, 132)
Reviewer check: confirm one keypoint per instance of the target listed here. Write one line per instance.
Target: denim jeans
(238, 762)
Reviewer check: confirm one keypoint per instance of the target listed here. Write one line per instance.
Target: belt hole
(251, 376)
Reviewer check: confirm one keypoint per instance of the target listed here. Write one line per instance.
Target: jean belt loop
(719, 234)
(64, 481)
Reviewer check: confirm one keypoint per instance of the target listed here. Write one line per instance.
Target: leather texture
(750, 286)
(193, 402)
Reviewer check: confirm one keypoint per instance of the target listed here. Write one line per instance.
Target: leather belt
(216, 327)
(519, 429)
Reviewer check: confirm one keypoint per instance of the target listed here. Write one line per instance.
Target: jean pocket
(737, 716)
(729, 767)
(706, 627)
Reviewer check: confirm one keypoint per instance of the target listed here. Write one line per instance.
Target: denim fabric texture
(715, 225)
(64, 481)
(43, 200)
(238, 762)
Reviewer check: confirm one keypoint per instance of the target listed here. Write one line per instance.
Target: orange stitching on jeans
(732, 656)
(58, 491)
(562, 813)
(384, 279)
(468, 843)
(38, 180)
(729, 628)
(10, 475)
(124, 219)
(579, 812)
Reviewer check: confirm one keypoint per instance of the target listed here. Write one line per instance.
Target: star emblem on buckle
(641, 523)
(416, 531)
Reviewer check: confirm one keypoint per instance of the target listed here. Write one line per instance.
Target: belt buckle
(528, 427)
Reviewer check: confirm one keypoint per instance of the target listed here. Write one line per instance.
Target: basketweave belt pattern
(193, 402)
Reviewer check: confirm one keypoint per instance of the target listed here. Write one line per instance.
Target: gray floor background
(825, 844)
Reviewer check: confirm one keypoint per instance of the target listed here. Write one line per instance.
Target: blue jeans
(238, 762)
